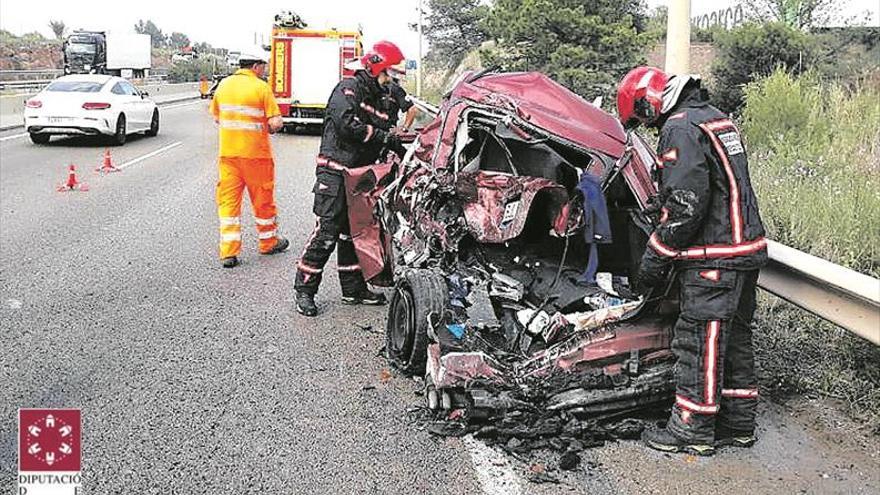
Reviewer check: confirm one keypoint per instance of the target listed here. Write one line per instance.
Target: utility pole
(678, 37)
(419, 61)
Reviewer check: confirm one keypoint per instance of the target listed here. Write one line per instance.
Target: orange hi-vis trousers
(258, 176)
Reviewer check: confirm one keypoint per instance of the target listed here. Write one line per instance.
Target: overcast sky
(227, 25)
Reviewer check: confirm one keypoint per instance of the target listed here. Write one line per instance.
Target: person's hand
(276, 123)
(393, 143)
(650, 275)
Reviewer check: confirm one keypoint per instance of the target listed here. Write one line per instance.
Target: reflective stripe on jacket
(354, 129)
(242, 105)
(709, 210)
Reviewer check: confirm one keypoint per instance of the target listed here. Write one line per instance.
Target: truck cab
(85, 52)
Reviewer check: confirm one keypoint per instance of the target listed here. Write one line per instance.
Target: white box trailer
(129, 52)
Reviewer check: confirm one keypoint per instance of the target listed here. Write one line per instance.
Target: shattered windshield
(81, 48)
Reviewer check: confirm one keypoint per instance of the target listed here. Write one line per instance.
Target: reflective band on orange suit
(242, 106)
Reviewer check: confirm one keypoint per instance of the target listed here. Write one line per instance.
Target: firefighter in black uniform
(710, 233)
(395, 100)
(354, 133)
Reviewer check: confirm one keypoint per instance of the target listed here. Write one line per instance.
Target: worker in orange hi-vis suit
(247, 113)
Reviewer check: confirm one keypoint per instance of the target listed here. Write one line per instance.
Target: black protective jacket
(354, 127)
(394, 101)
(708, 210)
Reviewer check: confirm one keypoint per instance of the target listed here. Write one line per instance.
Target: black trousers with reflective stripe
(332, 230)
(715, 373)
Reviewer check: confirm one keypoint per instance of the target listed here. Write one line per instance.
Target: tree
(586, 46)
(58, 28)
(753, 50)
(799, 14)
(156, 34)
(657, 20)
(454, 27)
(178, 40)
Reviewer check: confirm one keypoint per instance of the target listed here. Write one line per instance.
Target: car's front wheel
(154, 124)
(39, 138)
(419, 300)
(119, 136)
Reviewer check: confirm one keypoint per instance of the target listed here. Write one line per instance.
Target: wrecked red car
(509, 232)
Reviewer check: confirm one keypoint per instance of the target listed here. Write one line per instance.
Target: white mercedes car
(90, 104)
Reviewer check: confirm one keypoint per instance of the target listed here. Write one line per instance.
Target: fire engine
(305, 66)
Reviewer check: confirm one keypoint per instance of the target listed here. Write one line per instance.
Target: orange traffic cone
(107, 166)
(72, 184)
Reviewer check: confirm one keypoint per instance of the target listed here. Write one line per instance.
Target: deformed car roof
(549, 106)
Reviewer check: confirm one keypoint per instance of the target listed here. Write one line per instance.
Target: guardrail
(842, 296)
(29, 74)
(33, 85)
(38, 84)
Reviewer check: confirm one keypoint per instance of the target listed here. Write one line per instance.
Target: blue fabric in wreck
(597, 226)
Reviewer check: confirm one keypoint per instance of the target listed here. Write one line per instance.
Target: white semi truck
(116, 53)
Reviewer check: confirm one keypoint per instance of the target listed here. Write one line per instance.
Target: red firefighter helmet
(383, 55)
(640, 96)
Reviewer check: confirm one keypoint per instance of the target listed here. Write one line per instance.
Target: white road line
(149, 155)
(493, 469)
(16, 136)
(178, 105)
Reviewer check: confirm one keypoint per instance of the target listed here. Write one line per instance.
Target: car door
(138, 118)
(363, 186)
(124, 101)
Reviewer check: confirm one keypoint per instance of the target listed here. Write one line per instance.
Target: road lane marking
(178, 105)
(493, 469)
(149, 155)
(16, 136)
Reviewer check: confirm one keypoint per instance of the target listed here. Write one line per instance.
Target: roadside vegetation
(814, 151)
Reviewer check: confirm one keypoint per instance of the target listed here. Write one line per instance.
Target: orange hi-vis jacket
(242, 105)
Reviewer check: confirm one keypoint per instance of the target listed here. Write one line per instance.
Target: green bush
(814, 151)
(816, 154)
(191, 70)
(754, 50)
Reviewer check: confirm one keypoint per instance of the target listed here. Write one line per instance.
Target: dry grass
(815, 163)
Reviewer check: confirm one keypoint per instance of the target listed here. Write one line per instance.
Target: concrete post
(419, 61)
(678, 37)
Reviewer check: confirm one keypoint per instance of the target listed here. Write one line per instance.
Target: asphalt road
(195, 379)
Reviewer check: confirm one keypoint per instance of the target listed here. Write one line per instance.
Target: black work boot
(663, 440)
(305, 304)
(365, 296)
(281, 245)
(728, 437)
(230, 262)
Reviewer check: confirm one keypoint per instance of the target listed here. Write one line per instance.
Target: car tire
(418, 295)
(40, 138)
(154, 124)
(120, 135)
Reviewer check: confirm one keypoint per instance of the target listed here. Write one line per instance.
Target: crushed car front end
(511, 231)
